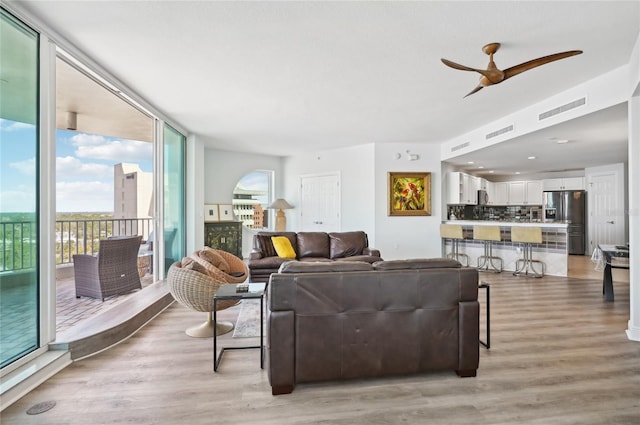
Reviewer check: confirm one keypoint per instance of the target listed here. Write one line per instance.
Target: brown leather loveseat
(333, 321)
(308, 246)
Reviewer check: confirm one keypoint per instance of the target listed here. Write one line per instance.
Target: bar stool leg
(527, 263)
(488, 258)
(455, 255)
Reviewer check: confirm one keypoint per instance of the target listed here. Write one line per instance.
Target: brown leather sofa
(309, 246)
(334, 321)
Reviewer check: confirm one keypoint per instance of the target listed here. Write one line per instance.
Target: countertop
(508, 223)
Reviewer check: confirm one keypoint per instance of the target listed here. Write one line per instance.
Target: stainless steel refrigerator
(568, 206)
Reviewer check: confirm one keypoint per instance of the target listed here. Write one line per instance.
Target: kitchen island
(552, 251)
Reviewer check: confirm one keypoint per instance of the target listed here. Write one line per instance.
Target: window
(251, 197)
(19, 191)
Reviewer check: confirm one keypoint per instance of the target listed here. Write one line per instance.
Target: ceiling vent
(564, 108)
(461, 146)
(499, 132)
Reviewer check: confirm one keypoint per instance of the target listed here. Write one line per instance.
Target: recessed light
(517, 172)
(491, 171)
(531, 157)
(469, 162)
(562, 141)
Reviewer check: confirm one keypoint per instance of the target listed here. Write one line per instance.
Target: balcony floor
(71, 310)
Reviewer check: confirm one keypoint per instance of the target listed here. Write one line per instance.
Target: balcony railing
(18, 239)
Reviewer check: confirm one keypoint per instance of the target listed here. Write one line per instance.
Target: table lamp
(281, 221)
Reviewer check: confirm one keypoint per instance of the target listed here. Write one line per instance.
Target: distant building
(132, 197)
(249, 210)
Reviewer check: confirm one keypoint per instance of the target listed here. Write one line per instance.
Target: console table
(225, 236)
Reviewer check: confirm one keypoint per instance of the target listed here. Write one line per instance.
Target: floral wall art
(409, 193)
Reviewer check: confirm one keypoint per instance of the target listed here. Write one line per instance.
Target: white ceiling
(287, 77)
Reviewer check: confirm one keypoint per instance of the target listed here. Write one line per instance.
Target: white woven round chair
(195, 290)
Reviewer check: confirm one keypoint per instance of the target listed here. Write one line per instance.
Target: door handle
(610, 222)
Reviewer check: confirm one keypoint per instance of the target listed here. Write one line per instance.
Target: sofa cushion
(290, 235)
(366, 258)
(347, 244)
(266, 246)
(313, 244)
(283, 247)
(323, 266)
(311, 259)
(415, 264)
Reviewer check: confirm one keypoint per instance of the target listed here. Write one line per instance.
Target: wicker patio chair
(113, 271)
(195, 289)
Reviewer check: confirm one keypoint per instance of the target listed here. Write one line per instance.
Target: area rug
(248, 323)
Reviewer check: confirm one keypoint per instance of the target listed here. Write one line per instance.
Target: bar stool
(453, 232)
(488, 234)
(527, 236)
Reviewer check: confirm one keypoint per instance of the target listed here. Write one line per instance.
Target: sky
(84, 168)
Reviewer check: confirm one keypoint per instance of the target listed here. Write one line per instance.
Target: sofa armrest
(281, 351)
(370, 251)
(256, 254)
(469, 337)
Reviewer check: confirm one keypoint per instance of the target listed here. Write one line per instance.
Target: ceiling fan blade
(460, 67)
(515, 70)
(478, 88)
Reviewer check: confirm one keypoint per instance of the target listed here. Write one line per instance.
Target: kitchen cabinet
(225, 236)
(516, 193)
(533, 192)
(567, 183)
(484, 184)
(498, 193)
(462, 188)
(525, 192)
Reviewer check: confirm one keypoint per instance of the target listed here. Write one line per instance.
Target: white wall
(363, 172)
(633, 329)
(223, 169)
(601, 92)
(356, 168)
(407, 237)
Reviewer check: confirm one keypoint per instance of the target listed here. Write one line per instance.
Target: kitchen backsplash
(497, 213)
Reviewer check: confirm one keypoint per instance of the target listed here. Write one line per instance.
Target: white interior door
(606, 209)
(320, 203)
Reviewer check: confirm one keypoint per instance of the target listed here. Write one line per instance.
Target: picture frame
(226, 212)
(409, 193)
(211, 213)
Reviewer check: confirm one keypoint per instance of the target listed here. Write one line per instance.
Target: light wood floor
(559, 355)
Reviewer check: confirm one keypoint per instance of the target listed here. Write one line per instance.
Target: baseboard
(633, 332)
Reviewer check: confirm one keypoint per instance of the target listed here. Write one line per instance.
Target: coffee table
(229, 292)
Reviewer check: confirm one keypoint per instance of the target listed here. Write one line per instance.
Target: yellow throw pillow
(283, 247)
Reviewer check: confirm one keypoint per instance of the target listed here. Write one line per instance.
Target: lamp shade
(280, 204)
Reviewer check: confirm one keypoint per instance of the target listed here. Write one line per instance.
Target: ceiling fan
(492, 75)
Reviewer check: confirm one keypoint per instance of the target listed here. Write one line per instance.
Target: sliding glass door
(174, 195)
(19, 304)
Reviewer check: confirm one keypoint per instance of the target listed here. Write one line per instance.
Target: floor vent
(36, 409)
(461, 146)
(499, 132)
(564, 108)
